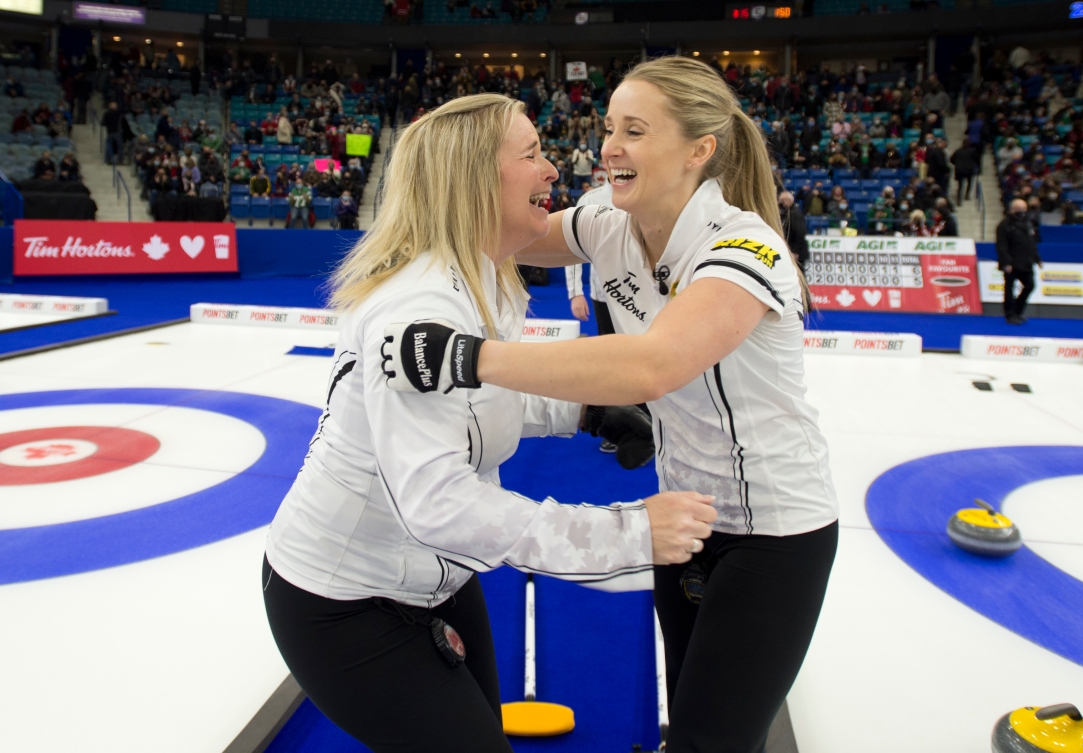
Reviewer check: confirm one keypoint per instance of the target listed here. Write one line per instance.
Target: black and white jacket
(400, 494)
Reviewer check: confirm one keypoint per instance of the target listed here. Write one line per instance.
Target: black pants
(383, 680)
(605, 327)
(960, 179)
(1015, 305)
(605, 321)
(730, 661)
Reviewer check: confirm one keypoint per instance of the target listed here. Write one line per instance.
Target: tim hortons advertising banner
(872, 273)
(86, 247)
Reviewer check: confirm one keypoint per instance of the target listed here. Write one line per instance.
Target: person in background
(582, 162)
(965, 159)
(69, 168)
(918, 226)
(793, 223)
(562, 199)
(260, 185)
(944, 219)
(210, 188)
(841, 216)
(815, 201)
(253, 134)
(45, 167)
(346, 211)
(880, 218)
(112, 122)
(936, 159)
(300, 198)
(284, 134)
(282, 182)
(1017, 253)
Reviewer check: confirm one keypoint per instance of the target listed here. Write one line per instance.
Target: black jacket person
(1017, 253)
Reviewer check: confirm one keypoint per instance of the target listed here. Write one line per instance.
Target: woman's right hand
(679, 523)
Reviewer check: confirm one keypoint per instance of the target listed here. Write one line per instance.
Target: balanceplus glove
(429, 355)
(626, 426)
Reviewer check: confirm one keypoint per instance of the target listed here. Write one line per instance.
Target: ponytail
(705, 105)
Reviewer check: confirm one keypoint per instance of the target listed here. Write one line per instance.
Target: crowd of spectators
(36, 150)
(1029, 115)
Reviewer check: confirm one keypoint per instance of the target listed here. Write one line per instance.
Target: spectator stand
(20, 149)
(305, 150)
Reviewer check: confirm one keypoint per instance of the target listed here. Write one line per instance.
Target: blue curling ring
(910, 504)
(239, 504)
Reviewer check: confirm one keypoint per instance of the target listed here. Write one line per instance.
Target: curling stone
(1034, 729)
(984, 531)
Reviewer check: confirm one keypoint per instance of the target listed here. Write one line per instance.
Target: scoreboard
(749, 12)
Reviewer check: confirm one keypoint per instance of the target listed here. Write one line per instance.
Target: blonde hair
(441, 195)
(703, 104)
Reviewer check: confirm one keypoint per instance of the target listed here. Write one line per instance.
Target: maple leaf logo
(156, 249)
(40, 453)
(845, 298)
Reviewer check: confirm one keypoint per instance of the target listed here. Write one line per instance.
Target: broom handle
(530, 679)
(660, 677)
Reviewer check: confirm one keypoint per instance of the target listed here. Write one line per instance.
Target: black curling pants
(383, 680)
(730, 661)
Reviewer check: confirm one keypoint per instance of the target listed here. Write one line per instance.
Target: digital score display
(759, 12)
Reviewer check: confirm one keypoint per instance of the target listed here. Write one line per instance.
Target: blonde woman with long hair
(371, 559)
(708, 306)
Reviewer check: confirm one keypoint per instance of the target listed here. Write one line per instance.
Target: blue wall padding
(1063, 234)
(1050, 250)
(292, 253)
(7, 246)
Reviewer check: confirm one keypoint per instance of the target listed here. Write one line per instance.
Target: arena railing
(11, 200)
(979, 196)
(119, 182)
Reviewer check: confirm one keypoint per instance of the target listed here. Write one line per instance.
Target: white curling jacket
(743, 431)
(400, 493)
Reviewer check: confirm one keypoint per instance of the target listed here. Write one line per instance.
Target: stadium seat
(887, 172)
(819, 175)
(259, 209)
(847, 172)
(322, 208)
(239, 207)
(871, 184)
(280, 208)
(849, 184)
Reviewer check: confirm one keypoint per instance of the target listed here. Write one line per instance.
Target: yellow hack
(531, 718)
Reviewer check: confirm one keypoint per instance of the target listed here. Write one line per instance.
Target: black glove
(429, 355)
(626, 426)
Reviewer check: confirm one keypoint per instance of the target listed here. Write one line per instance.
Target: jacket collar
(695, 220)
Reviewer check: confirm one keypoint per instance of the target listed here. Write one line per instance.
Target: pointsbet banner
(86, 247)
(873, 273)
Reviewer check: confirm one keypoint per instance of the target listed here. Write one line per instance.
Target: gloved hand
(626, 426)
(429, 355)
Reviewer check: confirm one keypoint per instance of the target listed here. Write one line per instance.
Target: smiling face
(645, 152)
(526, 179)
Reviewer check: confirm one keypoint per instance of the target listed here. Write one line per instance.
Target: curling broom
(531, 718)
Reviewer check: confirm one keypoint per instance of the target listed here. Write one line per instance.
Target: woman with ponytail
(708, 306)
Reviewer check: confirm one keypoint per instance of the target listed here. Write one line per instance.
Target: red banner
(86, 247)
(935, 276)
